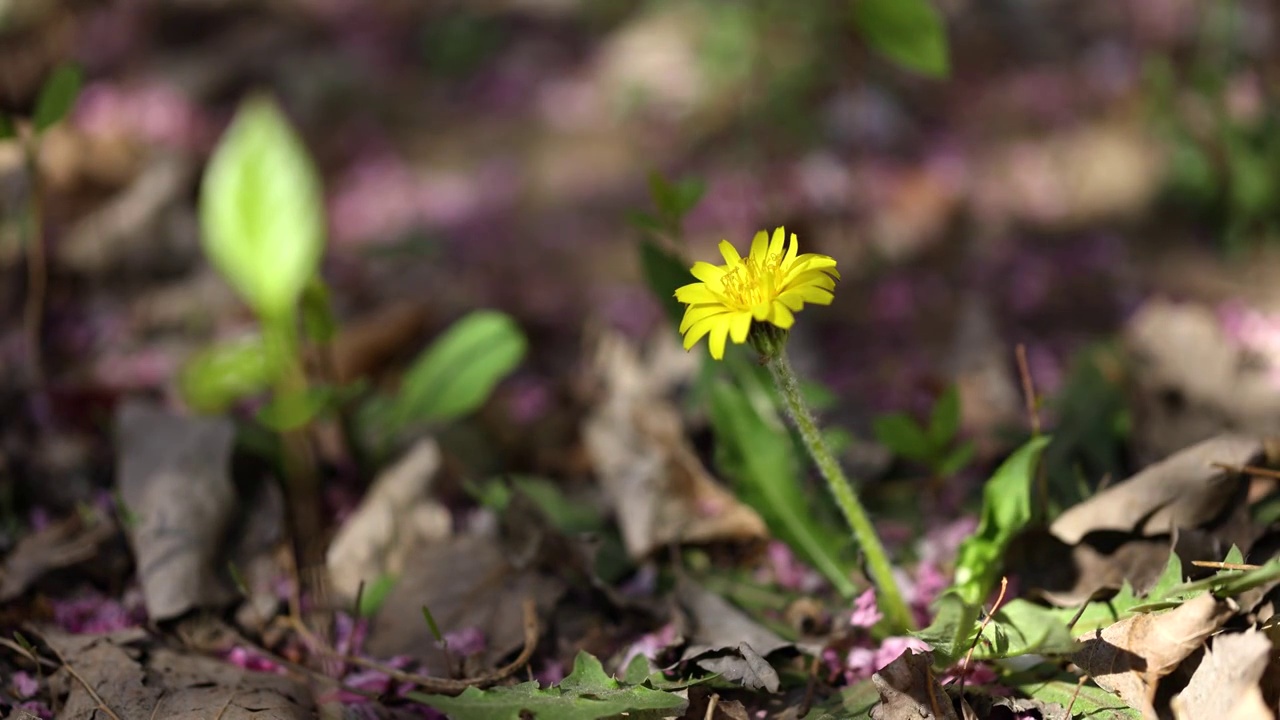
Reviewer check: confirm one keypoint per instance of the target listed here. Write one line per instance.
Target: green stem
(891, 603)
(302, 492)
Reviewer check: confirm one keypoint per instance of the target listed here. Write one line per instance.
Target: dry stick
(102, 705)
(443, 686)
(711, 707)
(1224, 565)
(1248, 470)
(810, 687)
(964, 667)
(1028, 388)
(1083, 679)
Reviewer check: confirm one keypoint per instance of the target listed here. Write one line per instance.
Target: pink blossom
(25, 685)
(863, 662)
(145, 113)
(788, 571)
(466, 642)
(252, 659)
(865, 612)
(35, 707)
(652, 644)
(94, 612)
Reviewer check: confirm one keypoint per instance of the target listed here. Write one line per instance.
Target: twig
(1224, 565)
(964, 667)
(1028, 388)
(711, 707)
(444, 686)
(1248, 470)
(1083, 679)
(102, 705)
(810, 687)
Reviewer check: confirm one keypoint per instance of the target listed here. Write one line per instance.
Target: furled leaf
(455, 375)
(903, 436)
(1006, 509)
(763, 461)
(909, 32)
(216, 378)
(57, 96)
(262, 211)
(586, 694)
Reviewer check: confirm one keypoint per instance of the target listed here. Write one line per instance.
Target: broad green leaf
(586, 694)
(665, 272)
(1006, 509)
(262, 211)
(954, 627)
(57, 96)
(944, 421)
(763, 461)
(1086, 701)
(456, 374)
(909, 32)
(1024, 628)
(851, 703)
(224, 374)
(903, 436)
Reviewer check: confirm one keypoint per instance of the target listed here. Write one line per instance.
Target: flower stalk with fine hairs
(754, 299)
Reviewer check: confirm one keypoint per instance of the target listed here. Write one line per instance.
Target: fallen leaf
(395, 516)
(61, 544)
(660, 491)
(137, 681)
(724, 640)
(1184, 491)
(174, 476)
(910, 691)
(1225, 685)
(1130, 657)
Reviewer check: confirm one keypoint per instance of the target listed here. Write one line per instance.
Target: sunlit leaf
(456, 374)
(262, 211)
(214, 379)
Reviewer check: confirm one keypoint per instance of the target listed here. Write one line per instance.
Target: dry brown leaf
(1129, 657)
(725, 640)
(174, 475)
(62, 544)
(395, 516)
(1225, 685)
(659, 489)
(1184, 491)
(910, 691)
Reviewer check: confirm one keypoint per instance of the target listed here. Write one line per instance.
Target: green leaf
(901, 434)
(688, 193)
(1086, 701)
(318, 322)
(944, 421)
(956, 460)
(455, 375)
(764, 462)
(375, 595)
(7, 130)
(214, 379)
(262, 210)
(294, 410)
(664, 272)
(674, 200)
(57, 96)
(909, 32)
(586, 694)
(953, 629)
(1006, 509)
(1024, 628)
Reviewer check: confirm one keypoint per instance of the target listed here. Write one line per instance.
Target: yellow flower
(766, 286)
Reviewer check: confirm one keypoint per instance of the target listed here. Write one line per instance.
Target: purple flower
(651, 645)
(865, 612)
(95, 613)
(24, 685)
(466, 642)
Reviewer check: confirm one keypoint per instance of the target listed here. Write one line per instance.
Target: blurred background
(1097, 181)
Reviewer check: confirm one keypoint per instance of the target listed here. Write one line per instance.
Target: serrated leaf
(1006, 509)
(664, 272)
(586, 694)
(219, 376)
(262, 211)
(909, 32)
(763, 461)
(57, 96)
(903, 437)
(944, 421)
(455, 375)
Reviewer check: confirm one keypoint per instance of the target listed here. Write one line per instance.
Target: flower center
(754, 282)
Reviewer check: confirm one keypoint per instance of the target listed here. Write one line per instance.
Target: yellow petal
(816, 278)
(814, 263)
(739, 325)
(759, 246)
(810, 294)
(718, 335)
(761, 311)
(707, 273)
(792, 249)
(697, 330)
(696, 293)
(694, 313)
(779, 315)
(775, 245)
(729, 253)
(792, 300)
